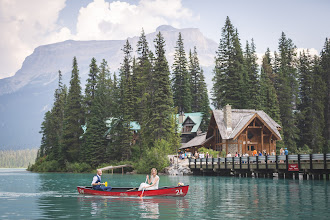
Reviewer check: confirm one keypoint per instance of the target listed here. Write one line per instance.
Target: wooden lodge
(238, 130)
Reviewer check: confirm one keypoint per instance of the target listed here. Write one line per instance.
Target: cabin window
(187, 128)
(250, 135)
(252, 148)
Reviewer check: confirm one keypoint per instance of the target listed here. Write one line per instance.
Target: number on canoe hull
(178, 192)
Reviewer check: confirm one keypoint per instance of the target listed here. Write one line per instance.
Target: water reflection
(150, 208)
(31, 196)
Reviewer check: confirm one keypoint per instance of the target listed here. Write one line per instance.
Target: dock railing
(308, 164)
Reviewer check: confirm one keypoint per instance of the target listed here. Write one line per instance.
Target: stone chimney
(227, 117)
(181, 117)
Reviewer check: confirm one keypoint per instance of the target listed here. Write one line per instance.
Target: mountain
(26, 96)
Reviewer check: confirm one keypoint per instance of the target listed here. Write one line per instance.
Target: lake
(26, 195)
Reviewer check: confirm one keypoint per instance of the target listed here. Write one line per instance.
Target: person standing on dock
(96, 183)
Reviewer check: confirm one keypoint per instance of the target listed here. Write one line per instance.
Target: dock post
(311, 162)
(122, 170)
(296, 176)
(305, 176)
(276, 160)
(219, 163)
(206, 162)
(325, 161)
(225, 163)
(195, 163)
(233, 158)
(257, 159)
(287, 161)
(112, 171)
(327, 176)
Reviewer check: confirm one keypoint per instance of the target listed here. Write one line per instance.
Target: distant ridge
(26, 96)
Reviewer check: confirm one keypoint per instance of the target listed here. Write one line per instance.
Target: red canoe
(124, 191)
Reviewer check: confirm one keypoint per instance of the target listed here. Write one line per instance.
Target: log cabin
(238, 130)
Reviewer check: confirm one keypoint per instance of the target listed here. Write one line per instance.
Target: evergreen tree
(268, 96)
(228, 87)
(143, 90)
(73, 118)
(46, 132)
(251, 79)
(94, 139)
(162, 94)
(305, 93)
(205, 104)
(90, 86)
(104, 79)
(200, 99)
(126, 103)
(181, 79)
(57, 117)
(287, 90)
(325, 64)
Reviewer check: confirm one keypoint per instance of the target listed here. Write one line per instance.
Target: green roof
(196, 117)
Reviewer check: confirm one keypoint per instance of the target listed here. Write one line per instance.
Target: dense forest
(291, 88)
(17, 158)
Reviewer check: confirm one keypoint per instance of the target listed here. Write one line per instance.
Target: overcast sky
(27, 24)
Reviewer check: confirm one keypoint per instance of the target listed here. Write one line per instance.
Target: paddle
(106, 184)
(143, 188)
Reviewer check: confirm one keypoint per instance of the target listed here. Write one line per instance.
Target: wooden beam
(262, 138)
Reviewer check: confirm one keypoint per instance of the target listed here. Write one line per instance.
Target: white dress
(152, 179)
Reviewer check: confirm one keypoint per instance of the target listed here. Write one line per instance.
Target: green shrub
(78, 167)
(213, 153)
(156, 157)
(45, 165)
(304, 150)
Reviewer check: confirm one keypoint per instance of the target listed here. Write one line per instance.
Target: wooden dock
(310, 166)
(116, 167)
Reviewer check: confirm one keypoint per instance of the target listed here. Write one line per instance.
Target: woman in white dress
(152, 182)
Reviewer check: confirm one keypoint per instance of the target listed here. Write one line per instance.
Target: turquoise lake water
(26, 195)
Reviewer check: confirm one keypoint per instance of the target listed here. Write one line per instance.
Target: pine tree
(251, 79)
(205, 104)
(287, 90)
(306, 106)
(126, 103)
(268, 97)
(90, 86)
(73, 118)
(104, 79)
(325, 64)
(162, 94)
(199, 93)
(94, 139)
(143, 90)
(228, 87)
(181, 79)
(57, 117)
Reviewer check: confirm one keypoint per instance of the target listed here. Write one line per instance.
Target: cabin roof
(196, 141)
(240, 118)
(196, 117)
